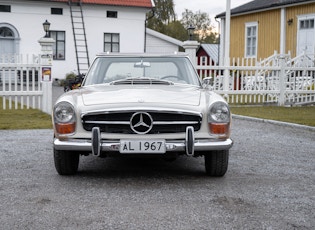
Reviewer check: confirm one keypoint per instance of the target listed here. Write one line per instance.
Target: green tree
(164, 21)
(164, 14)
(202, 23)
(176, 30)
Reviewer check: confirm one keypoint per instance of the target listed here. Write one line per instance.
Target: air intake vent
(141, 81)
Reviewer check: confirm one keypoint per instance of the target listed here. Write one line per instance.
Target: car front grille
(154, 122)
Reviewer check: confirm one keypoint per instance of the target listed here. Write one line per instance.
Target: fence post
(282, 86)
(191, 49)
(46, 57)
(226, 79)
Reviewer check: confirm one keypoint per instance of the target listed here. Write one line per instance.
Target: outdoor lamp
(46, 26)
(191, 29)
(290, 21)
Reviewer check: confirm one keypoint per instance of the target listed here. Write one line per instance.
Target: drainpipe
(227, 46)
(283, 31)
(219, 40)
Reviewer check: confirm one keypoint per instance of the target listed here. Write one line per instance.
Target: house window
(111, 42)
(6, 32)
(203, 60)
(58, 11)
(9, 39)
(5, 8)
(111, 14)
(59, 45)
(251, 35)
(307, 24)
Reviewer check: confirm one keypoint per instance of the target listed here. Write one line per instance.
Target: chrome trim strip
(154, 122)
(85, 145)
(175, 122)
(141, 109)
(108, 122)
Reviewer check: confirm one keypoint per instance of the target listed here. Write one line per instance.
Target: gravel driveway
(270, 184)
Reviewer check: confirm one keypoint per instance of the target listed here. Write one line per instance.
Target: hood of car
(169, 94)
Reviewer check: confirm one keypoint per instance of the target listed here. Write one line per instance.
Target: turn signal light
(66, 128)
(219, 128)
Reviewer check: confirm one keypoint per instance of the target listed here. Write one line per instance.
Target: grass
(298, 115)
(23, 118)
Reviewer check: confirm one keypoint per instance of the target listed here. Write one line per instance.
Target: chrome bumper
(85, 145)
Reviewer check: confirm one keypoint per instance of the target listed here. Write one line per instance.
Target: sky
(212, 7)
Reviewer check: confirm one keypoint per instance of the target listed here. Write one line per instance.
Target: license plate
(141, 146)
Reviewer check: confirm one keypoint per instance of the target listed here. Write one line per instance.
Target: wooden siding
(291, 30)
(268, 33)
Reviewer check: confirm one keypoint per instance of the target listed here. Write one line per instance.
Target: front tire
(66, 162)
(216, 162)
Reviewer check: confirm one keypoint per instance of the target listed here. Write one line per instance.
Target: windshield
(112, 70)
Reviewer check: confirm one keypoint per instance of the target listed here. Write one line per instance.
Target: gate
(278, 79)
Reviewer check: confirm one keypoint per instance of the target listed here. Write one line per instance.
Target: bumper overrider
(96, 145)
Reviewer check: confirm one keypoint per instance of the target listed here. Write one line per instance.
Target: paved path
(269, 185)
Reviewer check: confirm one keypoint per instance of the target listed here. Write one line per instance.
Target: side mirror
(206, 83)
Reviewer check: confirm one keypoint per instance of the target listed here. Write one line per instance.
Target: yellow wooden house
(261, 27)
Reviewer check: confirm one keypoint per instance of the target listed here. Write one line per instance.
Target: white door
(306, 36)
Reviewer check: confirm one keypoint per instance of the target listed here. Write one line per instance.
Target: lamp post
(191, 45)
(46, 26)
(191, 29)
(46, 57)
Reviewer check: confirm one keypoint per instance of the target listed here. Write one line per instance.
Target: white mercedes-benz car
(142, 104)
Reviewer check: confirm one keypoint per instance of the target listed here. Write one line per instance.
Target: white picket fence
(278, 79)
(20, 81)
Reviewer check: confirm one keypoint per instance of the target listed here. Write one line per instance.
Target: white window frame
(203, 60)
(59, 47)
(112, 42)
(299, 19)
(15, 38)
(252, 53)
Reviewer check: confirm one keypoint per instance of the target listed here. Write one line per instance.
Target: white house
(160, 43)
(115, 26)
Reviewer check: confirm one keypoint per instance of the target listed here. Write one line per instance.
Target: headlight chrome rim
(219, 112)
(64, 113)
(64, 119)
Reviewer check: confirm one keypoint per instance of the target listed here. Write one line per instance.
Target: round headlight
(64, 113)
(219, 112)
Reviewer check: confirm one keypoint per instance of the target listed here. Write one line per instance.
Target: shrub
(69, 76)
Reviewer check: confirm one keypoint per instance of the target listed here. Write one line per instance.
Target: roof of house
(259, 5)
(134, 3)
(164, 37)
(212, 50)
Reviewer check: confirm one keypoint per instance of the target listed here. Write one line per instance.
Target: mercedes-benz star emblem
(141, 122)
